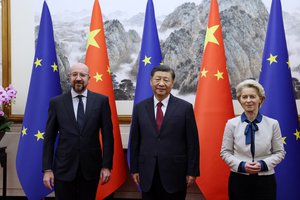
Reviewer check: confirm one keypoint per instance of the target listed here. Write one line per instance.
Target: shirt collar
(75, 94)
(257, 119)
(164, 102)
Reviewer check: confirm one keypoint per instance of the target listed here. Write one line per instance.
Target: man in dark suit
(164, 145)
(79, 161)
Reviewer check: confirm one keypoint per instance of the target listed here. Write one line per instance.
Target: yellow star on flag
(39, 135)
(289, 64)
(55, 68)
(91, 39)
(210, 37)
(108, 70)
(38, 62)
(203, 72)
(272, 59)
(98, 77)
(283, 140)
(24, 131)
(146, 60)
(297, 134)
(219, 75)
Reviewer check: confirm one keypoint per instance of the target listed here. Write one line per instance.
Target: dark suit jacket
(77, 147)
(175, 148)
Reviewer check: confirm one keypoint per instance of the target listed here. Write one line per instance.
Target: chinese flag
(213, 107)
(101, 82)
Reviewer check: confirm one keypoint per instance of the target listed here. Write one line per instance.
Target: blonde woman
(252, 147)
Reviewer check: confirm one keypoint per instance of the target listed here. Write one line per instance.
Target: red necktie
(159, 115)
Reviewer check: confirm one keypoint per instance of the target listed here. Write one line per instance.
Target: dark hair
(163, 68)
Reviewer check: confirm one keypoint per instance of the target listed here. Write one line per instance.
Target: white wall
(22, 53)
(22, 49)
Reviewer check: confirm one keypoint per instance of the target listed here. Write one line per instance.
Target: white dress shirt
(164, 106)
(75, 100)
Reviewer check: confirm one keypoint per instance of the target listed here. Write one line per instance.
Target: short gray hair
(249, 83)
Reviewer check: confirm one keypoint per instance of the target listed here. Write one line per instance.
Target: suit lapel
(150, 112)
(169, 112)
(89, 106)
(68, 101)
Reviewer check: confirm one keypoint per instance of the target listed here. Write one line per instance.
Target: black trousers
(254, 187)
(157, 191)
(77, 189)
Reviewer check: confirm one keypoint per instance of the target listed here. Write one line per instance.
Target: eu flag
(44, 84)
(150, 57)
(280, 102)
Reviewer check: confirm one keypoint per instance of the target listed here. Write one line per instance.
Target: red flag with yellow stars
(101, 82)
(213, 107)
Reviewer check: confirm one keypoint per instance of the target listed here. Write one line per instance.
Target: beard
(79, 86)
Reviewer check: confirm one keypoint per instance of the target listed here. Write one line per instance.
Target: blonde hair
(249, 83)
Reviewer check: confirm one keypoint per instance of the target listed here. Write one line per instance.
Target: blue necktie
(80, 112)
(250, 130)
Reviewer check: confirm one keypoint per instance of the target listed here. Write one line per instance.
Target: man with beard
(79, 161)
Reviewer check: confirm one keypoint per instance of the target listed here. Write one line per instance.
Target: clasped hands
(252, 167)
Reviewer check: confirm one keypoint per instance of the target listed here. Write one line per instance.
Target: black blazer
(77, 147)
(175, 148)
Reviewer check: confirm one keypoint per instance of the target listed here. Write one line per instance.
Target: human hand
(48, 179)
(104, 176)
(190, 180)
(252, 167)
(136, 178)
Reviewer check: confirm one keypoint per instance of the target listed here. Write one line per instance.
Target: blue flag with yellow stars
(280, 103)
(44, 84)
(150, 57)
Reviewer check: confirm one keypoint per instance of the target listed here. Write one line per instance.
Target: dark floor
(50, 198)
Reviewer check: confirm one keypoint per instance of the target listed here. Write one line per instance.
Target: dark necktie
(159, 115)
(80, 112)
